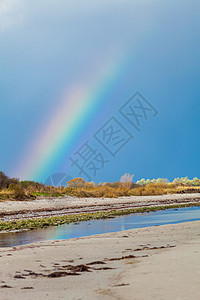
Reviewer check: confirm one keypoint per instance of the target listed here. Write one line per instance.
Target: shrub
(5, 181)
(149, 189)
(17, 191)
(114, 185)
(127, 180)
(76, 183)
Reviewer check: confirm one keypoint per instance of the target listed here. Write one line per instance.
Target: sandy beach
(160, 262)
(42, 207)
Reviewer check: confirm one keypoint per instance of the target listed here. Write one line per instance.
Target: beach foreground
(160, 262)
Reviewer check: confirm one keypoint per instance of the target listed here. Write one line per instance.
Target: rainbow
(70, 119)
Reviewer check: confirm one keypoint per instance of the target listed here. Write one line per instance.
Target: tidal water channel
(86, 228)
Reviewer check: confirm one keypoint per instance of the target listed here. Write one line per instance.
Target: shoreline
(55, 214)
(44, 207)
(36, 223)
(163, 259)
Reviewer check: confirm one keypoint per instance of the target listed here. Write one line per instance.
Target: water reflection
(68, 231)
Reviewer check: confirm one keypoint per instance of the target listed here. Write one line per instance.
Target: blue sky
(46, 47)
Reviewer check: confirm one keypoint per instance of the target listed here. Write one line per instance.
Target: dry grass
(99, 192)
(184, 189)
(5, 194)
(13, 189)
(149, 189)
(105, 191)
(163, 188)
(18, 194)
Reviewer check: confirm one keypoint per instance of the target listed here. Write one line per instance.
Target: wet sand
(161, 262)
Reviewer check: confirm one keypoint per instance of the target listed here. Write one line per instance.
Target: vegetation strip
(31, 224)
